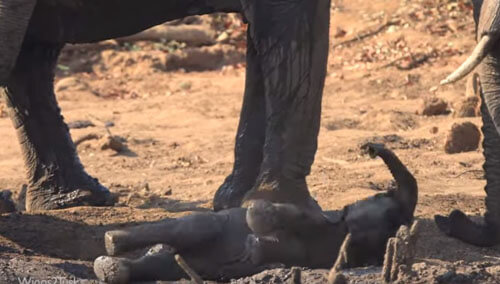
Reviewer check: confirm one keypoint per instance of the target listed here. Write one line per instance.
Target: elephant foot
(112, 270)
(50, 197)
(459, 226)
(228, 195)
(115, 241)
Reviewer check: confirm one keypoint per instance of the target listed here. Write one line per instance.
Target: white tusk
(478, 54)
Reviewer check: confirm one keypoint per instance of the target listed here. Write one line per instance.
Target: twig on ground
(416, 60)
(335, 276)
(189, 271)
(90, 136)
(369, 33)
(296, 276)
(469, 171)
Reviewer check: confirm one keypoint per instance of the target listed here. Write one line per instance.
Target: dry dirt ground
(179, 126)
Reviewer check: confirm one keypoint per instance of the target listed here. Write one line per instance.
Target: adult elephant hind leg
(249, 139)
(57, 179)
(457, 224)
(291, 38)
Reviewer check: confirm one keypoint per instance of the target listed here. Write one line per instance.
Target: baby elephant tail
(407, 190)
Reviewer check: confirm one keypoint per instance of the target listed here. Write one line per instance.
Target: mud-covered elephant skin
(238, 242)
(287, 52)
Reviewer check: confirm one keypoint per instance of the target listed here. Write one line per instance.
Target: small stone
(434, 130)
(434, 106)
(223, 37)
(463, 137)
(339, 33)
(420, 266)
(168, 192)
(115, 143)
(71, 84)
(6, 203)
(186, 86)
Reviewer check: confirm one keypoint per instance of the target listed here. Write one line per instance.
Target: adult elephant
(276, 142)
(486, 57)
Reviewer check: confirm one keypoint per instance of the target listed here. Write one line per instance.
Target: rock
(434, 130)
(204, 58)
(434, 106)
(186, 85)
(114, 142)
(71, 84)
(223, 37)
(470, 107)
(463, 137)
(6, 203)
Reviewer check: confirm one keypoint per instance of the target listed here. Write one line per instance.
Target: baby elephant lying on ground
(244, 241)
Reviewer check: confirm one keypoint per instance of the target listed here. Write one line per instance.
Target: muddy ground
(179, 118)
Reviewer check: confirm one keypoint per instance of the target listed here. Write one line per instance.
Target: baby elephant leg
(264, 218)
(179, 233)
(288, 250)
(151, 267)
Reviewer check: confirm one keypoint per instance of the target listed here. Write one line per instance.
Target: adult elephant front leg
(486, 56)
(291, 40)
(249, 139)
(57, 179)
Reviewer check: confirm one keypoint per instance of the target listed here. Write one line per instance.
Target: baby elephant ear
(14, 19)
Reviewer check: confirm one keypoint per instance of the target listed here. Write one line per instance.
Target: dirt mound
(463, 137)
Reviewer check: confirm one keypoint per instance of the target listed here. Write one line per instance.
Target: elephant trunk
(14, 19)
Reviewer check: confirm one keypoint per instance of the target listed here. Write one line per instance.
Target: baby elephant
(243, 241)
(372, 221)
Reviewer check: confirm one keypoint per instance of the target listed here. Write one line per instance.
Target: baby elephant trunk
(407, 189)
(14, 19)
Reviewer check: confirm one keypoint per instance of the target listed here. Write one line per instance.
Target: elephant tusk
(478, 54)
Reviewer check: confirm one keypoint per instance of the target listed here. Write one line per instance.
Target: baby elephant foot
(112, 270)
(116, 242)
(458, 225)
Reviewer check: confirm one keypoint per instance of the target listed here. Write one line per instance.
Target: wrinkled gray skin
(218, 246)
(242, 241)
(457, 224)
(277, 135)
